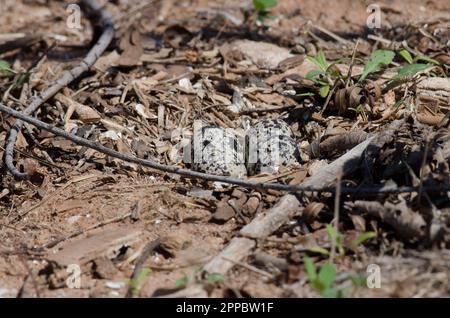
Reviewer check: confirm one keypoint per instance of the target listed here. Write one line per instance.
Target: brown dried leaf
(348, 98)
(85, 113)
(131, 45)
(312, 210)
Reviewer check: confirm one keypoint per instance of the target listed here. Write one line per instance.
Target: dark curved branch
(208, 177)
(95, 52)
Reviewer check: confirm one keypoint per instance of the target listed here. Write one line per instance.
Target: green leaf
(5, 69)
(320, 60)
(334, 71)
(332, 233)
(324, 90)
(358, 280)
(307, 94)
(318, 249)
(378, 57)
(411, 69)
(313, 74)
(406, 55)
(21, 79)
(425, 59)
(181, 282)
(136, 282)
(363, 237)
(310, 269)
(143, 273)
(331, 293)
(263, 5)
(358, 109)
(215, 278)
(327, 275)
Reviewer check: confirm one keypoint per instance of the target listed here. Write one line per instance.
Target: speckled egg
(218, 151)
(270, 144)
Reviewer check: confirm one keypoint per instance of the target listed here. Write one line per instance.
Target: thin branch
(55, 242)
(330, 34)
(349, 74)
(68, 76)
(324, 184)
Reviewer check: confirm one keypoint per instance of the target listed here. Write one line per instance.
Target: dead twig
(349, 73)
(93, 227)
(29, 284)
(329, 33)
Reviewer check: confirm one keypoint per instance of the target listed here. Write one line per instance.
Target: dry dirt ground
(81, 207)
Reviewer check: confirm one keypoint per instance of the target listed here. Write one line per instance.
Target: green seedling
(337, 238)
(406, 55)
(324, 76)
(377, 58)
(21, 79)
(362, 238)
(215, 278)
(136, 282)
(322, 280)
(413, 66)
(359, 109)
(5, 69)
(320, 60)
(411, 69)
(262, 7)
(182, 282)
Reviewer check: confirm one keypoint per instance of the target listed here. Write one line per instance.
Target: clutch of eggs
(268, 145)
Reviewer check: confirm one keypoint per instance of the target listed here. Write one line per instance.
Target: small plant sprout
(322, 280)
(5, 69)
(215, 278)
(136, 282)
(413, 66)
(337, 238)
(262, 7)
(377, 58)
(325, 76)
(182, 282)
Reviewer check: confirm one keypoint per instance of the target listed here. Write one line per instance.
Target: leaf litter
(144, 94)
